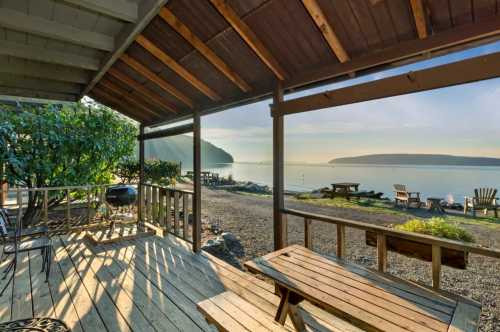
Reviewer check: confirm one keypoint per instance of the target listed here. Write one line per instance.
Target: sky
(462, 120)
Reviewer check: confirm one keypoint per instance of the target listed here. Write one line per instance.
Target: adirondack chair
(484, 199)
(402, 195)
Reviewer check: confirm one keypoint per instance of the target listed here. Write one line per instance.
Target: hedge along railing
(168, 209)
(437, 243)
(93, 194)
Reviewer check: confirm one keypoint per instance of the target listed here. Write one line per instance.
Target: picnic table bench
(370, 300)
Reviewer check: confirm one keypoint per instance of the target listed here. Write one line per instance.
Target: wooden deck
(146, 284)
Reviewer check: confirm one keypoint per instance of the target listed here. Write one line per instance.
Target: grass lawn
(387, 207)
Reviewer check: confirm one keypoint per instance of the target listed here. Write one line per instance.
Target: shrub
(436, 227)
(155, 171)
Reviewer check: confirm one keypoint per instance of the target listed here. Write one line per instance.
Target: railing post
(168, 211)
(19, 207)
(176, 212)
(154, 200)
(196, 182)
(279, 221)
(381, 252)
(89, 204)
(307, 233)
(161, 207)
(185, 215)
(436, 266)
(340, 241)
(68, 206)
(46, 206)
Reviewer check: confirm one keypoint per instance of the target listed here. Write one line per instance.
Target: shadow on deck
(147, 284)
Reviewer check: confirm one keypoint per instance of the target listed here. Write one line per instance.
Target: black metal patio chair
(16, 241)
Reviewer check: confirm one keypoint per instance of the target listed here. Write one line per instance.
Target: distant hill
(180, 148)
(417, 159)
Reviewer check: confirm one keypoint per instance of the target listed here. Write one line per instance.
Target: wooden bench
(231, 313)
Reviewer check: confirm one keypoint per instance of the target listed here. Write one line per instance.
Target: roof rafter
(153, 97)
(19, 21)
(249, 37)
(28, 68)
(37, 94)
(149, 74)
(326, 29)
(29, 52)
(121, 9)
(417, 8)
(128, 97)
(106, 98)
(176, 67)
(147, 11)
(189, 36)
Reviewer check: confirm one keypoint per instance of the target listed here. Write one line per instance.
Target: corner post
(196, 182)
(140, 206)
(279, 221)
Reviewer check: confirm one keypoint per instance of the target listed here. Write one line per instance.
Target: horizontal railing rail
(169, 209)
(382, 233)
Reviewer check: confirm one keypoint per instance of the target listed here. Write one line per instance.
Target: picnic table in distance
(344, 189)
(370, 300)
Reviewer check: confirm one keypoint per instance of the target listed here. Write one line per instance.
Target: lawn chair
(402, 195)
(15, 242)
(484, 199)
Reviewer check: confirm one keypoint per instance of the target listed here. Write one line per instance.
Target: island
(417, 159)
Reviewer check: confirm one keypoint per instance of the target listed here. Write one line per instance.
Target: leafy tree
(61, 145)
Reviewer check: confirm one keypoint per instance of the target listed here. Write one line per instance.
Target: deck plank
(6, 298)
(130, 285)
(89, 316)
(40, 292)
(21, 297)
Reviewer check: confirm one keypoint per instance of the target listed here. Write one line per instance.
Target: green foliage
(155, 171)
(62, 145)
(436, 227)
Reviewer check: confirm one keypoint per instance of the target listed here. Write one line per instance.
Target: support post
(140, 206)
(196, 182)
(279, 222)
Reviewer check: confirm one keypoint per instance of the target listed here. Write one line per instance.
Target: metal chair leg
(7, 284)
(49, 260)
(44, 259)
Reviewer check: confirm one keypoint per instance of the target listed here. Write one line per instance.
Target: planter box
(449, 257)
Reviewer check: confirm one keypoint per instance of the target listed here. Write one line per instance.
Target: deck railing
(382, 233)
(169, 209)
(86, 197)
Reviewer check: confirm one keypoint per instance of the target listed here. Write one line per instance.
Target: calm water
(440, 181)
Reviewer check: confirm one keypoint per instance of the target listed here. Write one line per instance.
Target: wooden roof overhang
(160, 61)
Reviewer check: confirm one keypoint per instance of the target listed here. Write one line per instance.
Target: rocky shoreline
(240, 228)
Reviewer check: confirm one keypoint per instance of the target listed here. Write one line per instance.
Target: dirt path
(250, 219)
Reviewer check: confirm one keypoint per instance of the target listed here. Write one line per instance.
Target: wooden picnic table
(344, 188)
(370, 300)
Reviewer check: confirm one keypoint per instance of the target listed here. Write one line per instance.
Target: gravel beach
(249, 218)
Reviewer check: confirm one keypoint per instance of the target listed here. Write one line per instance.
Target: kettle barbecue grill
(119, 196)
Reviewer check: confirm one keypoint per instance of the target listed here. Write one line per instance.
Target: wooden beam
(35, 94)
(176, 67)
(204, 50)
(173, 131)
(146, 12)
(16, 20)
(140, 205)
(129, 98)
(150, 75)
(417, 8)
(17, 81)
(10, 65)
(35, 53)
(326, 29)
(279, 221)
(465, 71)
(249, 37)
(412, 49)
(196, 228)
(153, 97)
(121, 9)
(106, 98)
